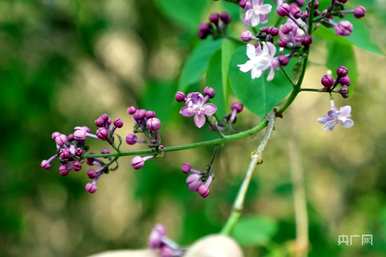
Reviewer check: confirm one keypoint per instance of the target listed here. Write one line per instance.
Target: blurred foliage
(64, 62)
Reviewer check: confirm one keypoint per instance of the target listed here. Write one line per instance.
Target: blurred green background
(62, 63)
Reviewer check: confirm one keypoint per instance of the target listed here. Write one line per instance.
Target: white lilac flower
(197, 105)
(336, 116)
(261, 58)
(257, 12)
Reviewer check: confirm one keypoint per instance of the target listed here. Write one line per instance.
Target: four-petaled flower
(196, 105)
(261, 58)
(336, 116)
(257, 13)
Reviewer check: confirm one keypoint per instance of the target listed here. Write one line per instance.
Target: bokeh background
(62, 63)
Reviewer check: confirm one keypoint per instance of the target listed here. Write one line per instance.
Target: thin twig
(256, 158)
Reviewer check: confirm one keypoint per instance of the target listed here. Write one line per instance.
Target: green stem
(256, 159)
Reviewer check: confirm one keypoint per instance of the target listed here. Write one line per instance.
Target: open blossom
(261, 58)
(197, 106)
(291, 33)
(336, 116)
(256, 13)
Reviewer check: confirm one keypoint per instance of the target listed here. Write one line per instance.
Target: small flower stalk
(215, 27)
(198, 181)
(165, 247)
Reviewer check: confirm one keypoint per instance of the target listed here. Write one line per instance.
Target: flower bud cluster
(342, 79)
(162, 244)
(216, 25)
(197, 181)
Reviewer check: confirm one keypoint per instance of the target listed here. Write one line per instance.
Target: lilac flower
(257, 12)
(344, 28)
(197, 105)
(291, 33)
(336, 116)
(261, 58)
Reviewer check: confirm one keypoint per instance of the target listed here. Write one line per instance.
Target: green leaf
(197, 62)
(258, 95)
(214, 79)
(187, 13)
(342, 54)
(256, 230)
(227, 49)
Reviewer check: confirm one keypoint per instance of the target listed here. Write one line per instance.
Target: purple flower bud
(345, 81)
(237, 106)
(344, 91)
(80, 133)
(203, 190)
(118, 123)
(342, 71)
(150, 114)
(274, 31)
(166, 251)
(156, 236)
(243, 3)
(137, 162)
(55, 134)
(45, 164)
(194, 182)
(327, 81)
(283, 60)
(99, 122)
(76, 165)
(63, 170)
(61, 139)
(91, 187)
(204, 30)
(300, 2)
(91, 173)
(359, 11)
(131, 139)
(209, 91)
(246, 36)
(342, 1)
(283, 42)
(153, 124)
(307, 40)
(131, 110)
(64, 154)
(186, 167)
(295, 11)
(344, 28)
(180, 96)
(79, 152)
(102, 133)
(225, 17)
(214, 18)
(139, 114)
(283, 10)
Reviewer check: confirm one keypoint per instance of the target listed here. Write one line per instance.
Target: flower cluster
(162, 244)
(343, 80)
(197, 106)
(337, 116)
(198, 181)
(256, 12)
(216, 26)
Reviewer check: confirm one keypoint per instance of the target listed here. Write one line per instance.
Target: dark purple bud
(225, 17)
(237, 106)
(344, 91)
(153, 124)
(139, 114)
(327, 81)
(283, 60)
(102, 133)
(243, 3)
(90, 187)
(131, 139)
(209, 91)
(65, 154)
(63, 170)
(203, 190)
(131, 110)
(91, 173)
(214, 18)
(150, 114)
(180, 96)
(45, 164)
(342, 71)
(90, 161)
(246, 36)
(118, 123)
(99, 122)
(300, 2)
(79, 152)
(283, 10)
(359, 11)
(274, 31)
(137, 162)
(345, 81)
(283, 43)
(342, 1)
(76, 165)
(186, 167)
(205, 27)
(307, 40)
